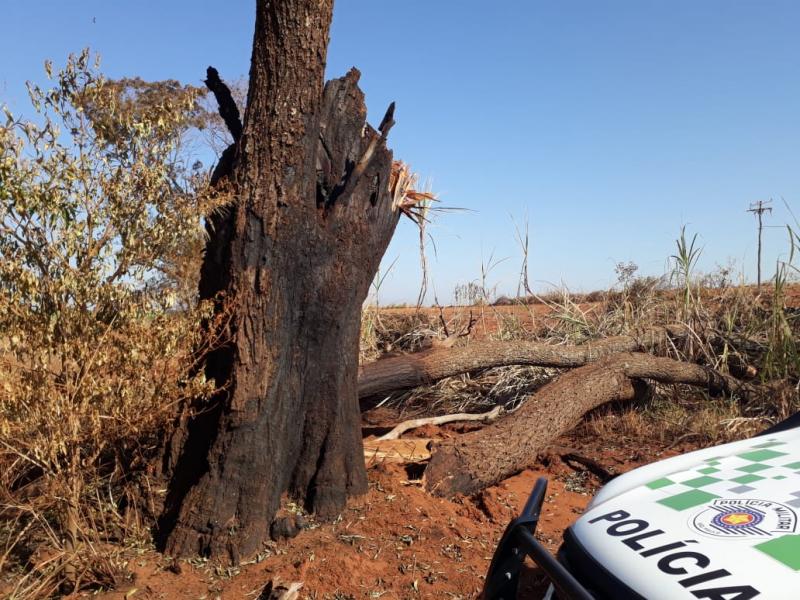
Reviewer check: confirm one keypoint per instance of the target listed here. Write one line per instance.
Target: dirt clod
(285, 528)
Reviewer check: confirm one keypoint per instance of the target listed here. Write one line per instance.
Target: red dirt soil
(397, 541)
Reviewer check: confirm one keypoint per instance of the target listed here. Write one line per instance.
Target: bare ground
(397, 541)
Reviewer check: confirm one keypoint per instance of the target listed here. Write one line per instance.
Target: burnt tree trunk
(476, 460)
(293, 259)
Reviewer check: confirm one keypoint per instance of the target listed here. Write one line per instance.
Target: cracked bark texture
(479, 459)
(294, 256)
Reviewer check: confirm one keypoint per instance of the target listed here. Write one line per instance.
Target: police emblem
(744, 518)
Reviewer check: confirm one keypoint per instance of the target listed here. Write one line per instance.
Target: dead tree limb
(401, 428)
(482, 458)
(230, 115)
(569, 456)
(426, 367)
(227, 105)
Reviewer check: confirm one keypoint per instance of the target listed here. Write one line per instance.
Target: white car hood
(720, 523)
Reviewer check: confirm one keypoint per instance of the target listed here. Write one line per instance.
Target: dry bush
(385, 332)
(95, 347)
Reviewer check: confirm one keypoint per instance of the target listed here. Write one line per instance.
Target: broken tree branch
(423, 368)
(401, 428)
(230, 115)
(227, 105)
(569, 456)
(407, 371)
(482, 458)
(346, 187)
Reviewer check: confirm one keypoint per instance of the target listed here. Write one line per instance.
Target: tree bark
(291, 261)
(476, 460)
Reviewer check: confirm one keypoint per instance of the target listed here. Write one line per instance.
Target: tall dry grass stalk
(417, 205)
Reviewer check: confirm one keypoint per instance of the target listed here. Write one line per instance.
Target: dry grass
(479, 392)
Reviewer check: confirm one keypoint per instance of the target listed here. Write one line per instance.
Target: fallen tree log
(426, 367)
(476, 460)
(407, 371)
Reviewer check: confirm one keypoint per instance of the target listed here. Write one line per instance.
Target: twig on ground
(568, 456)
(401, 428)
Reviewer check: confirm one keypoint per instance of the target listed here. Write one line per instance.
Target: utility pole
(758, 209)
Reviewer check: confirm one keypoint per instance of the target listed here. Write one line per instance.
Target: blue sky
(609, 124)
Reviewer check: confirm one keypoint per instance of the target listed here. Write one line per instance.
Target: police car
(719, 523)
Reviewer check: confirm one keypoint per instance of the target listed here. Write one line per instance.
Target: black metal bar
(533, 506)
(518, 540)
(791, 423)
(502, 579)
(568, 587)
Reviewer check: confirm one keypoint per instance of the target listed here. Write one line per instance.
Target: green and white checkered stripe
(739, 475)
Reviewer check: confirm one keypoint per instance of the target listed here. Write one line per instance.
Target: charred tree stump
(476, 460)
(293, 258)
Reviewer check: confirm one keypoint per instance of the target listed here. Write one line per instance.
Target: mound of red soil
(397, 541)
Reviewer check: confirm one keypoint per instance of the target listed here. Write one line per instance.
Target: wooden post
(758, 209)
